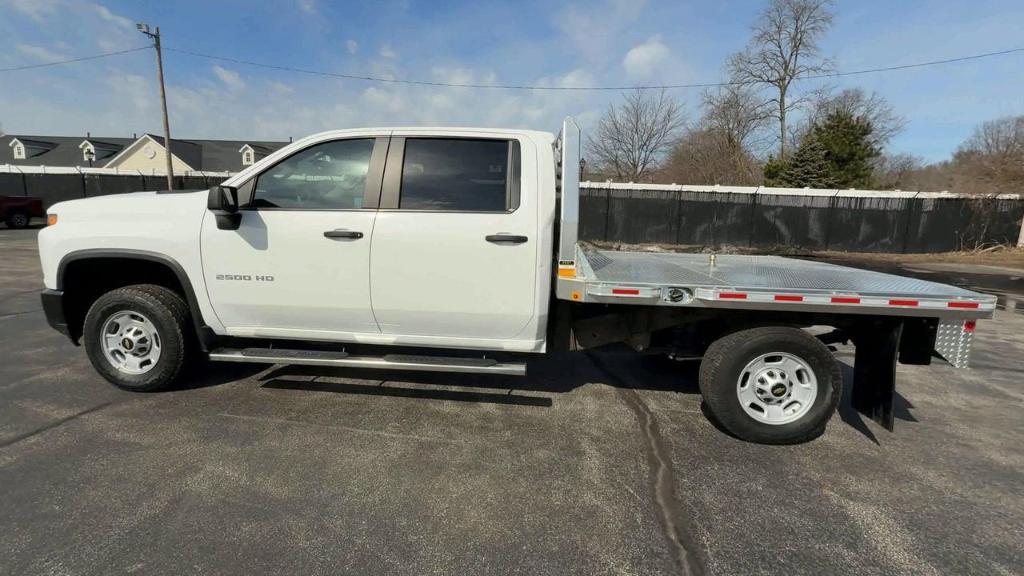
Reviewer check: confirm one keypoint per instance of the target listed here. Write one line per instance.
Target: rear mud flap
(874, 371)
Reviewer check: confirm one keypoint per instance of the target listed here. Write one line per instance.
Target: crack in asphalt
(673, 523)
(52, 425)
(21, 313)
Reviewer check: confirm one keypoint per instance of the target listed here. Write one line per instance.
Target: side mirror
(223, 202)
(223, 198)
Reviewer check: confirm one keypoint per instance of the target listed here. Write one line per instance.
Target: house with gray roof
(144, 153)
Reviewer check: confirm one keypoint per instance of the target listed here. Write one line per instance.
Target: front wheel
(772, 385)
(137, 336)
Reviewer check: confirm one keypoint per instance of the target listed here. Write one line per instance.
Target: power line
(917, 65)
(73, 60)
(579, 88)
(509, 86)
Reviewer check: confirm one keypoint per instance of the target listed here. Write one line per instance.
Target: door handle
(506, 239)
(343, 234)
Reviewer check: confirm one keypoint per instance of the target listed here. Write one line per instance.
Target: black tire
(166, 310)
(18, 220)
(724, 363)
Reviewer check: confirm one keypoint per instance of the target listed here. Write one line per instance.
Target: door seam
(373, 226)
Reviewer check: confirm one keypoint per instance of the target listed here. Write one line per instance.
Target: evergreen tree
(809, 167)
(849, 148)
(837, 152)
(775, 172)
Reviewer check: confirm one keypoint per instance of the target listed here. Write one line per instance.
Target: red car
(18, 211)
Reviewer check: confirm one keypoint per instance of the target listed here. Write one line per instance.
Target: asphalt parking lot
(591, 465)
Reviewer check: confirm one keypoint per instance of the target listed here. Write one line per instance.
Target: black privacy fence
(811, 219)
(769, 218)
(56, 185)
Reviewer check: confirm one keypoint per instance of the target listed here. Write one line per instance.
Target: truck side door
(298, 266)
(455, 246)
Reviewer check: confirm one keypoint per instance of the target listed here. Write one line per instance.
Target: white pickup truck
(456, 250)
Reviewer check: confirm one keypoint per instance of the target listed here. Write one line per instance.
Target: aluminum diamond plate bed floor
(753, 273)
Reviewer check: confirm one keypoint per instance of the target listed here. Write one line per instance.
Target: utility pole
(144, 28)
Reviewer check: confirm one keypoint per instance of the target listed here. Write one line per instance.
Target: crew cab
(455, 249)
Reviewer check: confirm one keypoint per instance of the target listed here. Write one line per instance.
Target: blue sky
(614, 42)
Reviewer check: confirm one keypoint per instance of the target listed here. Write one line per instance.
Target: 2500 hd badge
(247, 277)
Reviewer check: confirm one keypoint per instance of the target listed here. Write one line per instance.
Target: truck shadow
(558, 374)
(548, 377)
(856, 420)
(208, 374)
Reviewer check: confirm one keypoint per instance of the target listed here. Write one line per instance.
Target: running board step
(386, 362)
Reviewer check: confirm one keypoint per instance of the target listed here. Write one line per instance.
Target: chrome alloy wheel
(777, 388)
(130, 342)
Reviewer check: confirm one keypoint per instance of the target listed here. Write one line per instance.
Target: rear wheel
(137, 336)
(17, 220)
(773, 385)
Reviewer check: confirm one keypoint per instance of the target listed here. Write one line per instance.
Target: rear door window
(465, 175)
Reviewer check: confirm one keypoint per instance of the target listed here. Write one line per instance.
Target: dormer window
(248, 155)
(23, 148)
(88, 152)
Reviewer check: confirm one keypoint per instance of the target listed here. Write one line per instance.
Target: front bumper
(53, 307)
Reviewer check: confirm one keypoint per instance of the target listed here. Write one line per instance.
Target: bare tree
(784, 47)
(633, 137)
(738, 114)
(885, 123)
(897, 171)
(709, 156)
(719, 150)
(993, 157)
(990, 161)
(1002, 138)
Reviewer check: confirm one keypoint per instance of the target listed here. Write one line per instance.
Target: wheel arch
(80, 291)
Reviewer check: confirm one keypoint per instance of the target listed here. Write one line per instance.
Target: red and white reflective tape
(624, 291)
(651, 292)
(826, 299)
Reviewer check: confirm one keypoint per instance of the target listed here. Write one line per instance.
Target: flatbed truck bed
(761, 283)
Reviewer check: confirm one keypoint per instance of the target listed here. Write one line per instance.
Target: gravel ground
(599, 464)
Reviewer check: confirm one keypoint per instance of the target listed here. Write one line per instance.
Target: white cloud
(40, 53)
(453, 75)
(308, 6)
(207, 101)
(109, 16)
(37, 10)
(230, 78)
(577, 78)
(136, 97)
(281, 88)
(594, 30)
(647, 60)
